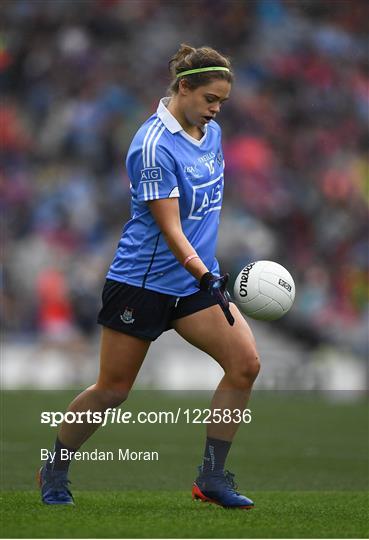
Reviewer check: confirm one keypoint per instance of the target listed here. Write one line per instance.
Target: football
(264, 290)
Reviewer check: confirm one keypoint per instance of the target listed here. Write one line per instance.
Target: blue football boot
(220, 488)
(54, 487)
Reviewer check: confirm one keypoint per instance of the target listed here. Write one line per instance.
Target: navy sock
(215, 454)
(59, 464)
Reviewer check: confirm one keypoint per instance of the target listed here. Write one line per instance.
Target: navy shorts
(144, 313)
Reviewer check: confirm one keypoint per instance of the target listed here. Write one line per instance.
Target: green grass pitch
(150, 514)
(303, 460)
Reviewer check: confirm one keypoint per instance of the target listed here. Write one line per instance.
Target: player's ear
(183, 87)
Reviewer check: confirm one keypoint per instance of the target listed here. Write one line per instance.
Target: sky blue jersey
(163, 161)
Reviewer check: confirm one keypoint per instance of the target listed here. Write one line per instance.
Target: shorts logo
(127, 316)
(151, 174)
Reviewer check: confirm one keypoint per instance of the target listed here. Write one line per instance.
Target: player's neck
(175, 110)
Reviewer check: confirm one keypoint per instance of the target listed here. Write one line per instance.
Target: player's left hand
(217, 287)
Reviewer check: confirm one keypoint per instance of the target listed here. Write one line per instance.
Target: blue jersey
(163, 161)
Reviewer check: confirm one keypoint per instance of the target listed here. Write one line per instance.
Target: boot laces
(229, 477)
(59, 482)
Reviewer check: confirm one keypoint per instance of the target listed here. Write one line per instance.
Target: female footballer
(165, 275)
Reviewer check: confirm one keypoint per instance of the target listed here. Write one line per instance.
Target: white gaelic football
(264, 290)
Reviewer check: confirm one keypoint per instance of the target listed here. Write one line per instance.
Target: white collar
(166, 116)
(170, 122)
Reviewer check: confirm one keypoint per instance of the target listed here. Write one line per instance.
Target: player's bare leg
(121, 357)
(234, 348)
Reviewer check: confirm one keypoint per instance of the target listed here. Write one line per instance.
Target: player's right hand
(217, 287)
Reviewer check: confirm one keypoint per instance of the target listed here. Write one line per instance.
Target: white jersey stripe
(145, 191)
(148, 144)
(154, 146)
(148, 132)
(156, 185)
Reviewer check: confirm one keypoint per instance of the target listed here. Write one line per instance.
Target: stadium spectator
(296, 138)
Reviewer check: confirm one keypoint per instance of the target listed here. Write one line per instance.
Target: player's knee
(117, 396)
(111, 396)
(245, 369)
(253, 366)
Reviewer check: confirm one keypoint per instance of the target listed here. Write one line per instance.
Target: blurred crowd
(78, 77)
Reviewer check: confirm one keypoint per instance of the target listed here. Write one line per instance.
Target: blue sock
(59, 464)
(215, 454)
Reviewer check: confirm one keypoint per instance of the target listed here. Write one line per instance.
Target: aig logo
(151, 174)
(206, 198)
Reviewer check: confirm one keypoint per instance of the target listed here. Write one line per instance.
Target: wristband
(189, 258)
